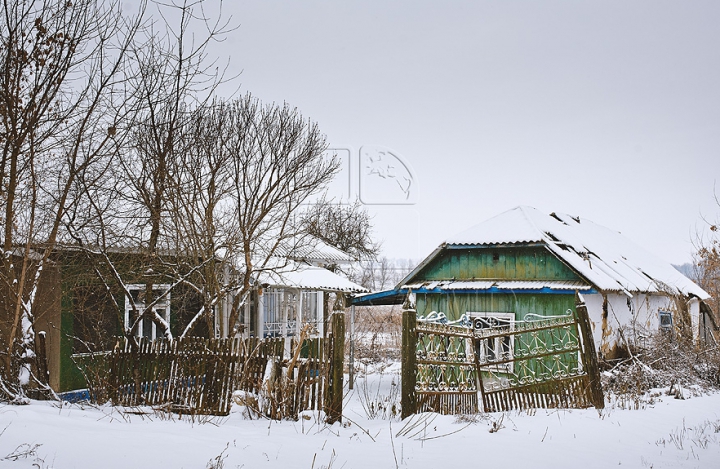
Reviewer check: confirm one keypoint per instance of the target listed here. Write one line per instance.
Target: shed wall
(530, 263)
(638, 316)
(455, 305)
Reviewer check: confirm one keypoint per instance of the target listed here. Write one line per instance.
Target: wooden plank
(335, 388)
(408, 401)
(589, 354)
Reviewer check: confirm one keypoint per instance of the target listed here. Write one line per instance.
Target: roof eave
(381, 298)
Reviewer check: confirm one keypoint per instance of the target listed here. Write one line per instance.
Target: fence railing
(199, 376)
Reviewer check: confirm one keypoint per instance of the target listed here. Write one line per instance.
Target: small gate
(546, 362)
(440, 368)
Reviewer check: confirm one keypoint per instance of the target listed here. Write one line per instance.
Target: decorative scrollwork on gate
(446, 370)
(542, 361)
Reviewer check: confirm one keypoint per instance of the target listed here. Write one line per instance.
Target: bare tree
(175, 80)
(171, 82)
(62, 65)
(110, 141)
(200, 207)
(278, 164)
(239, 172)
(707, 269)
(347, 227)
(382, 273)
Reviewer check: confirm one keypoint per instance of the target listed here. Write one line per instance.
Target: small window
(312, 313)
(273, 316)
(666, 322)
(147, 327)
(496, 349)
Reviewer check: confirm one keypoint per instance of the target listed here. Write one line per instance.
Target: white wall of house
(636, 317)
(694, 307)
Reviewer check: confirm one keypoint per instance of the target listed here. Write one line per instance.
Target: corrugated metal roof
(499, 284)
(304, 276)
(604, 257)
(313, 250)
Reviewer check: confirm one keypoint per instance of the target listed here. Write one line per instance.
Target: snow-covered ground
(669, 433)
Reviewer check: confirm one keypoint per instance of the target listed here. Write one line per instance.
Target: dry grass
(677, 366)
(378, 334)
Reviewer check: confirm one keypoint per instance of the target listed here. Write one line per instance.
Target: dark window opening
(665, 320)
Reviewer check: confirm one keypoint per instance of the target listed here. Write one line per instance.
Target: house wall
(697, 325)
(455, 305)
(631, 319)
(497, 263)
(519, 263)
(610, 313)
(47, 318)
(91, 318)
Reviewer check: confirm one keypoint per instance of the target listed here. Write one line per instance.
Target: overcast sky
(607, 110)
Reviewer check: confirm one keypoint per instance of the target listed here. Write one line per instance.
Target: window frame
(662, 314)
(317, 322)
(272, 308)
(508, 319)
(163, 304)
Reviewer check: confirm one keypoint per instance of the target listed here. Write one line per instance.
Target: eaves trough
(397, 296)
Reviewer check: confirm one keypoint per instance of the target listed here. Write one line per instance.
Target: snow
(667, 434)
(313, 249)
(301, 275)
(604, 257)
(499, 284)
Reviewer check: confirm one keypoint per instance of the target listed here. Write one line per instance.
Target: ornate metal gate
(542, 362)
(445, 373)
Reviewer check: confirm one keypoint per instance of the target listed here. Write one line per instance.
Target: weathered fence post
(408, 399)
(589, 353)
(115, 364)
(337, 362)
(351, 365)
(41, 359)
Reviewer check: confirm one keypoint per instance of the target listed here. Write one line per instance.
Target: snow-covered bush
(665, 361)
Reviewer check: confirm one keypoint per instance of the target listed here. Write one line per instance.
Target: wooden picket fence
(198, 376)
(192, 375)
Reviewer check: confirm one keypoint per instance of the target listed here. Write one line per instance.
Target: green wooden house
(82, 311)
(523, 264)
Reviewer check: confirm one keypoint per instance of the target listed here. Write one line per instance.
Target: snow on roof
(304, 276)
(500, 285)
(313, 249)
(604, 257)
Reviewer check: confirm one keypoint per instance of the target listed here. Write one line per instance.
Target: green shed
(523, 264)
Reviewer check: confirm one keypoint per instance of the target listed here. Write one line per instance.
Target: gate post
(351, 364)
(589, 353)
(337, 362)
(408, 399)
(41, 359)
